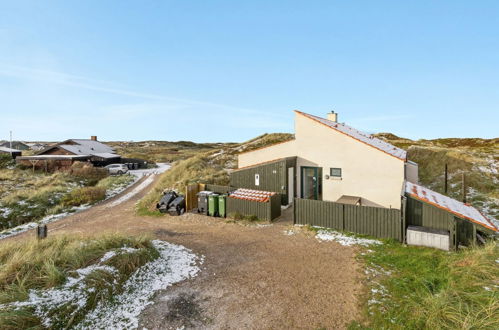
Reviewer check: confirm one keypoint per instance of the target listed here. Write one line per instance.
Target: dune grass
(27, 196)
(423, 288)
(41, 265)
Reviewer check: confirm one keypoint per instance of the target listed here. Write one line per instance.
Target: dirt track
(253, 277)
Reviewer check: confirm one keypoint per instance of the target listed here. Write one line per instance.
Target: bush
(239, 216)
(6, 161)
(85, 195)
(87, 172)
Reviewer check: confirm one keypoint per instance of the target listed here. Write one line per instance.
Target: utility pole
(464, 188)
(10, 144)
(445, 179)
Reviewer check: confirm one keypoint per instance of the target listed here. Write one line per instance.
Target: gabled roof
(449, 204)
(360, 136)
(85, 147)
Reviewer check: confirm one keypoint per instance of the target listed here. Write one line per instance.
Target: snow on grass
(174, 264)
(132, 193)
(51, 218)
(46, 220)
(327, 235)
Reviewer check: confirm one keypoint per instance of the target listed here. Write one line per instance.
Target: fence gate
(191, 196)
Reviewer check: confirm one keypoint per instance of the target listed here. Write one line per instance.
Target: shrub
(247, 217)
(6, 161)
(251, 217)
(87, 172)
(85, 195)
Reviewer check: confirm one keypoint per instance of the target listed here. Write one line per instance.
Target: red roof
(458, 208)
(252, 195)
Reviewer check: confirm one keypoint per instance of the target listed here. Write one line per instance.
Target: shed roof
(8, 150)
(353, 200)
(360, 136)
(53, 157)
(252, 195)
(458, 208)
(106, 155)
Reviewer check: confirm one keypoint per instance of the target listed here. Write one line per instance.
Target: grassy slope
(423, 288)
(48, 263)
(26, 196)
(210, 166)
(163, 151)
(477, 158)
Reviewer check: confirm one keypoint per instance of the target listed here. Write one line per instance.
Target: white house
(335, 162)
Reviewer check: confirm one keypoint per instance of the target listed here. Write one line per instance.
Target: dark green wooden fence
(373, 221)
(264, 211)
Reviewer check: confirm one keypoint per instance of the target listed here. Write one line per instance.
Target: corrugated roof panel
(459, 208)
(252, 195)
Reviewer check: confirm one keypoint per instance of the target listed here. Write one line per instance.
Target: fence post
(41, 231)
(343, 217)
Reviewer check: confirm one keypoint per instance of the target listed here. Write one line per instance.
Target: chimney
(332, 116)
(93, 138)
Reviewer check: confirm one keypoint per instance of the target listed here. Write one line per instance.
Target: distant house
(14, 145)
(64, 154)
(36, 146)
(13, 152)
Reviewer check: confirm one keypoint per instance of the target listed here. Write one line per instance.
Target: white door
(291, 184)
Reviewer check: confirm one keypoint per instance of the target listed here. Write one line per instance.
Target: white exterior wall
(281, 150)
(412, 172)
(429, 239)
(369, 173)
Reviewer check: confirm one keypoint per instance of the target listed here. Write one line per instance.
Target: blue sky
(231, 70)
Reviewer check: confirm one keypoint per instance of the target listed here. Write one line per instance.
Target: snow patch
(326, 235)
(175, 264)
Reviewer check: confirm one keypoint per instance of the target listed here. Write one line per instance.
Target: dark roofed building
(69, 151)
(15, 145)
(13, 152)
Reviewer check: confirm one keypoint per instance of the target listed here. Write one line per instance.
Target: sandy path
(253, 277)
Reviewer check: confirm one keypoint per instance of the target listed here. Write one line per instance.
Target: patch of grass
(85, 195)
(87, 172)
(115, 181)
(45, 264)
(423, 288)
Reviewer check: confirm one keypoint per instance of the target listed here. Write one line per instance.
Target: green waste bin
(213, 205)
(221, 206)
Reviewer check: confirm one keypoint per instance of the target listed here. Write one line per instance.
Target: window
(335, 172)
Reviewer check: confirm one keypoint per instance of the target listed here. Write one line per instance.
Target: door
(464, 232)
(291, 184)
(311, 182)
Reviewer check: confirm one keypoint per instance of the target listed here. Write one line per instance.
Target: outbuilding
(12, 152)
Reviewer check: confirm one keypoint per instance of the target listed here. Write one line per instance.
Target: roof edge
(367, 144)
(262, 163)
(272, 145)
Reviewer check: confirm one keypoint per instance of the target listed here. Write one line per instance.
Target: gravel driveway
(253, 277)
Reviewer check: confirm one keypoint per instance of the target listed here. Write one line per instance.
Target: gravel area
(253, 277)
